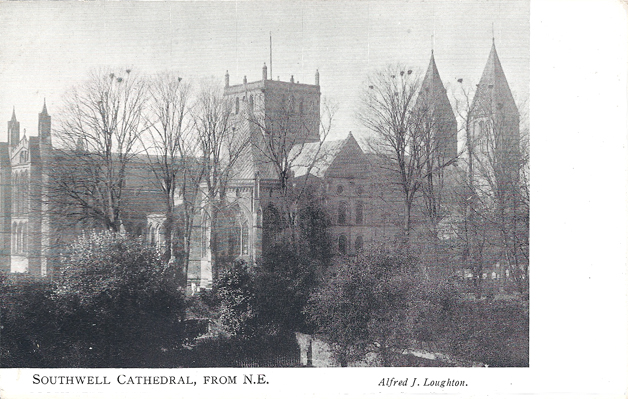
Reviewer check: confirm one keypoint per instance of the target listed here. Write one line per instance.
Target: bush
(283, 284)
(234, 289)
(29, 335)
(116, 305)
(492, 332)
(374, 303)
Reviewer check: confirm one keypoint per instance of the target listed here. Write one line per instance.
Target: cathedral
(360, 193)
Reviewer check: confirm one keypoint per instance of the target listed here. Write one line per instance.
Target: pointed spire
(44, 125)
(13, 118)
(493, 92)
(433, 99)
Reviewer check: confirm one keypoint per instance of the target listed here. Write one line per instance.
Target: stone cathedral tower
(494, 122)
(24, 221)
(268, 118)
(439, 115)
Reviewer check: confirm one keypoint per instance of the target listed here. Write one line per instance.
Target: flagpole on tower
(271, 55)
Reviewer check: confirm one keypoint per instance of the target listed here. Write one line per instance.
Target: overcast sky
(47, 47)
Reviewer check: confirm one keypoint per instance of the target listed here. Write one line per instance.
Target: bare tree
(168, 123)
(494, 190)
(411, 123)
(388, 108)
(283, 138)
(98, 136)
(211, 156)
(471, 232)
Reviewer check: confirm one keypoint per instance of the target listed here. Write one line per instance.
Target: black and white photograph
(265, 185)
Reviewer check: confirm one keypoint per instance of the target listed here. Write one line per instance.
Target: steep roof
(334, 158)
(433, 96)
(493, 93)
(433, 90)
(323, 153)
(252, 159)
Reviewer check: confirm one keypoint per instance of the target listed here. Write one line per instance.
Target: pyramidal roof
(493, 92)
(433, 98)
(434, 95)
(13, 118)
(44, 111)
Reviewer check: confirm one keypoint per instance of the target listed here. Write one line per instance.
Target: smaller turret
(227, 79)
(317, 78)
(264, 72)
(13, 131)
(44, 125)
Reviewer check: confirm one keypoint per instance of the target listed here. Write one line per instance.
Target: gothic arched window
(24, 240)
(359, 212)
(342, 244)
(342, 212)
(21, 190)
(245, 238)
(14, 238)
(204, 236)
(234, 240)
(359, 243)
(18, 192)
(18, 245)
(24, 192)
(272, 226)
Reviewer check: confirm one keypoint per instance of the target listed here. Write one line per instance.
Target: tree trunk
(406, 217)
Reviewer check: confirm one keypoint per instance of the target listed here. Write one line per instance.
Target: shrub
(492, 332)
(235, 290)
(29, 335)
(117, 306)
(370, 304)
(283, 283)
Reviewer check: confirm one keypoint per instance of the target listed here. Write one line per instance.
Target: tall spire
(433, 99)
(493, 92)
(44, 125)
(13, 130)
